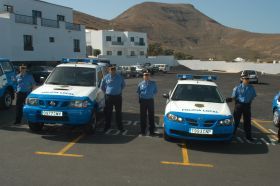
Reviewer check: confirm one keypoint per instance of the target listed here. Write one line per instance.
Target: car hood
(62, 90)
(198, 107)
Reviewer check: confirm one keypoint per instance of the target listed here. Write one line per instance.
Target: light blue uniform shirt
(25, 83)
(147, 89)
(244, 93)
(113, 85)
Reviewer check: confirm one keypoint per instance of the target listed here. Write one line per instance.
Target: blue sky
(260, 16)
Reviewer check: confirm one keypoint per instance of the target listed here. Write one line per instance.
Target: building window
(142, 53)
(132, 53)
(9, 8)
(131, 39)
(109, 53)
(108, 38)
(119, 39)
(28, 44)
(51, 39)
(77, 45)
(119, 53)
(60, 18)
(141, 41)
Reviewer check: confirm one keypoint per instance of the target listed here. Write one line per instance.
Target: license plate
(201, 131)
(52, 113)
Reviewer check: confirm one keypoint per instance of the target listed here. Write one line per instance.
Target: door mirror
(165, 96)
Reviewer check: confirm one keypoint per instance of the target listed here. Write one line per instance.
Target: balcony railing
(25, 19)
(72, 26)
(139, 44)
(49, 23)
(117, 43)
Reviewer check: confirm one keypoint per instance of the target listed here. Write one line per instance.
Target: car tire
(35, 127)
(276, 119)
(90, 128)
(7, 99)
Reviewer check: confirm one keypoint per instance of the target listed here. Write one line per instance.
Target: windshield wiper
(53, 83)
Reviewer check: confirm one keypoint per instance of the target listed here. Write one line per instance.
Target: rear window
(204, 93)
(75, 76)
(250, 72)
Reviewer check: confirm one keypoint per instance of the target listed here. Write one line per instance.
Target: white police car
(196, 110)
(7, 83)
(71, 95)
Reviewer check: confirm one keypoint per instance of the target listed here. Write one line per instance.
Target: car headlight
(32, 101)
(226, 122)
(173, 117)
(78, 104)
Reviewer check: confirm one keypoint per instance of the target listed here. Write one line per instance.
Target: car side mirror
(228, 100)
(42, 79)
(165, 96)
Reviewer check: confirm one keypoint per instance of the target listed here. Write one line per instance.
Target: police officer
(243, 94)
(25, 84)
(113, 84)
(146, 90)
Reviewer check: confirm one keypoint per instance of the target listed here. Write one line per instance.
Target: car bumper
(69, 116)
(181, 131)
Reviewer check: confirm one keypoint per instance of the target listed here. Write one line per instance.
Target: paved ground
(64, 156)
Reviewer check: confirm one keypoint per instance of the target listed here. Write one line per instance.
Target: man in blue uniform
(25, 84)
(147, 90)
(244, 94)
(113, 84)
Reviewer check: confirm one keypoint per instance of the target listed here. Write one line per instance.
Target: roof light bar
(76, 60)
(196, 77)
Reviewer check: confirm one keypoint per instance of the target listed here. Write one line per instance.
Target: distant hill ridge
(183, 28)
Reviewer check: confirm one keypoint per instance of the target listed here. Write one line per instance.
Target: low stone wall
(233, 67)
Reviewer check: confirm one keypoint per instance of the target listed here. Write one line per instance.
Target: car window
(6, 66)
(204, 93)
(74, 76)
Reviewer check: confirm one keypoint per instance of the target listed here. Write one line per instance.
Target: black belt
(237, 102)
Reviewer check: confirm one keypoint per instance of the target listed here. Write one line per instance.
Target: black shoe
(17, 123)
(250, 139)
(152, 134)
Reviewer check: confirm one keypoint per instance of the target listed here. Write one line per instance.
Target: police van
(196, 110)
(7, 83)
(71, 95)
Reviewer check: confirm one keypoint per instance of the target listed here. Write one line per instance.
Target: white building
(115, 43)
(34, 30)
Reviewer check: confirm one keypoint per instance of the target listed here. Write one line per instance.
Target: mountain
(183, 28)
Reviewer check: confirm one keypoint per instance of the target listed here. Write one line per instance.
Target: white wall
(98, 41)
(231, 66)
(127, 60)
(11, 38)
(49, 11)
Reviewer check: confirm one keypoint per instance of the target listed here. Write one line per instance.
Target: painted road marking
(186, 161)
(239, 139)
(63, 151)
(265, 142)
(264, 130)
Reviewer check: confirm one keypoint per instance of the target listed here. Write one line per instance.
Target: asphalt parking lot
(65, 156)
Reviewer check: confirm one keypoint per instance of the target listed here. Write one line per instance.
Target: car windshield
(204, 93)
(250, 72)
(74, 76)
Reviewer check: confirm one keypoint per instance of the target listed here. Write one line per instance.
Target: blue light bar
(196, 77)
(76, 60)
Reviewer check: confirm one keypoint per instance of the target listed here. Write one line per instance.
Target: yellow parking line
(58, 154)
(71, 144)
(62, 151)
(186, 160)
(264, 130)
(262, 121)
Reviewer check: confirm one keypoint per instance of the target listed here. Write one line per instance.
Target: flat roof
(53, 4)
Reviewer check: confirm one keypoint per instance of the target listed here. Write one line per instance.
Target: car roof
(197, 82)
(84, 65)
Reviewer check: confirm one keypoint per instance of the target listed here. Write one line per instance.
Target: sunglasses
(246, 78)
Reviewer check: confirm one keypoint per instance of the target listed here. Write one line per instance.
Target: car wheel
(7, 99)
(276, 118)
(35, 127)
(91, 126)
